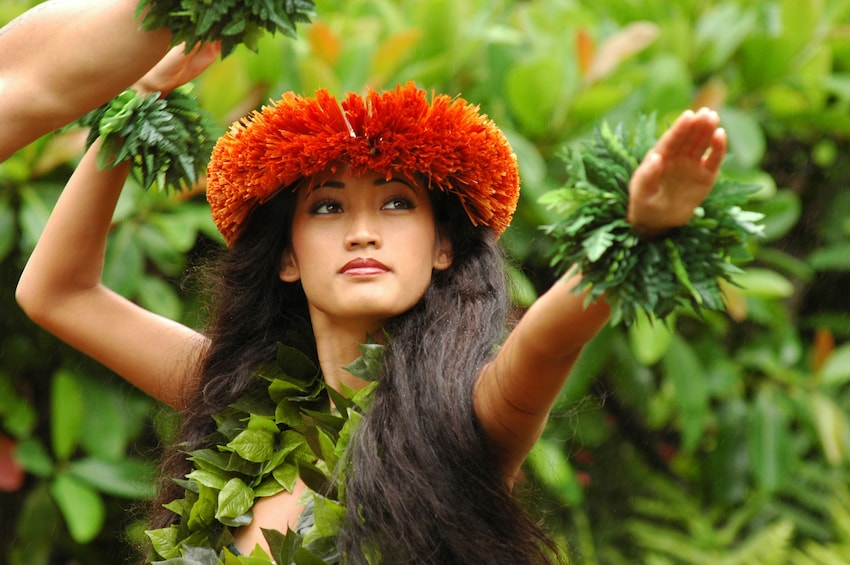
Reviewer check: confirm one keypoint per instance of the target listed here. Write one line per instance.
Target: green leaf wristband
(681, 268)
(168, 140)
(233, 22)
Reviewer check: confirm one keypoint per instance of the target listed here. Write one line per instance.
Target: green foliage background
(716, 440)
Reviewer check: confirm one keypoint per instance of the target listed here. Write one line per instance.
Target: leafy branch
(682, 268)
(231, 21)
(168, 140)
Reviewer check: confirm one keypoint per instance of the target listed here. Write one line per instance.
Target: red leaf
(11, 474)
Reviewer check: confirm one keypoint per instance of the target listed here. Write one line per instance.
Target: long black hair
(423, 485)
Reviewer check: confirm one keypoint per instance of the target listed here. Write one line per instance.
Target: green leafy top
(168, 140)
(282, 429)
(681, 268)
(233, 22)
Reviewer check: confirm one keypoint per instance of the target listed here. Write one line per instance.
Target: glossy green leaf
(128, 477)
(17, 416)
(769, 440)
(35, 526)
(160, 297)
(836, 369)
(728, 461)
(234, 501)
(832, 427)
(764, 283)
(124, 264)
(683, 368)
(33, 457)
(747, 143)
(534, 90)
(649, 339)
(81, 506)
(8, 228)
(548, 460)
(36, 204)
(781, 212)
(66, 413)
(834, 257)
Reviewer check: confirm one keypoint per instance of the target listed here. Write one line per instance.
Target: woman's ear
(289, 271)
(443, 254)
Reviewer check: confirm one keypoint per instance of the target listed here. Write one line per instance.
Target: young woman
(374, 218)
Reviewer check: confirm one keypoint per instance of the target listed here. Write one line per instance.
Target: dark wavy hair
(423, 485)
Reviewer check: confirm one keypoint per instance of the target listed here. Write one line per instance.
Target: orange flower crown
(459, 150)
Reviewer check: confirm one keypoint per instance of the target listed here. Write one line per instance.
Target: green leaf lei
(233, 22)
(168, 139)
(681, 268)
(282, 429)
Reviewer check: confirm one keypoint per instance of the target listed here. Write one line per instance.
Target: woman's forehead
(341, 176)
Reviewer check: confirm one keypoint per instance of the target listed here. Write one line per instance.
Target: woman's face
(363, 247)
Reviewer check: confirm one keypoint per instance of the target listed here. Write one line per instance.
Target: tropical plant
(719, 438)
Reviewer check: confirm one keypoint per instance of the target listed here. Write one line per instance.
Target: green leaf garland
(682, 268)
(282, 429)
(168, 140)
(234, 22)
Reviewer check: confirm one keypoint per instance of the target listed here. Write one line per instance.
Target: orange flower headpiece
(448, 141)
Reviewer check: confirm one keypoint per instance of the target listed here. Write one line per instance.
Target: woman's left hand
(177, 68)
(677, 174)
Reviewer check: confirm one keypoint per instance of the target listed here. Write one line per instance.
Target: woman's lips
(364, 267)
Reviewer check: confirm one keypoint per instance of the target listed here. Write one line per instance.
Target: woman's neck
(337, 344)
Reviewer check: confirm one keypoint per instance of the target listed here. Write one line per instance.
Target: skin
(63, 58)
(365, 217)
(61, 288)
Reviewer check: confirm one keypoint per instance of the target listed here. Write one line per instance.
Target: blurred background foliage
(716, 440)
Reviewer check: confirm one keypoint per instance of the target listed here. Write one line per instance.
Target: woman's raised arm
(63, 58)
(518, 388)
(61, 290)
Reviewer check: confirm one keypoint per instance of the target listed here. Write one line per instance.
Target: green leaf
(36, 525)
(124, 263)
(158, 296)
(763, 283)
(769, 440)
(683, 368)
(256, 446)
(81, 506)
(163, 541)
(650, 338)
(33, 457)
(747, 142)
(36, 205)
(728, 462)
(234, 503)
(548, 460)
(836, 369)
(832, 427)
(66, 413)
(127, 477)
(203, 512)
(8, 228)
(17, 416)
(329, 515)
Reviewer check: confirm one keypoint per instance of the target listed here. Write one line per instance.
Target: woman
(374, 219)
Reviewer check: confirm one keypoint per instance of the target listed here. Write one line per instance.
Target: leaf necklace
(289, 426)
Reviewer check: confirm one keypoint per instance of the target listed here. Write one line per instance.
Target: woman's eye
(398, 203)
(326, 207)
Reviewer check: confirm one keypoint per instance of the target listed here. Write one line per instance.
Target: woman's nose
(363, 232)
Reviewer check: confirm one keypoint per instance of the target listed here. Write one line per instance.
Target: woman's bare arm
(63, 58)
(516, 391)
(61, 290)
